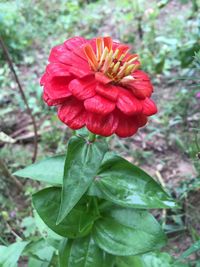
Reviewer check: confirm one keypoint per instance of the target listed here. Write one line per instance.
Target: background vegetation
(166, 34)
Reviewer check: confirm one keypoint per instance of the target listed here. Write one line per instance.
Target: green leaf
(194, 247)
(9, 256)
(93, 190)
(29, 226)
(155, 259)
(83, 253)
(64, 252)
(187, 52)
(47, 234)
(126, 185)
(147, 260)
(40, 250)
(77, 223)
(37, 263)
(128, 261)
(49, 170)
(82, 162)
(128, 232)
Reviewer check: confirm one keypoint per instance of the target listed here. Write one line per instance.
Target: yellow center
(116, 65)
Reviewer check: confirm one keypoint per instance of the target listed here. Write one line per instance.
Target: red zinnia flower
(96, 83)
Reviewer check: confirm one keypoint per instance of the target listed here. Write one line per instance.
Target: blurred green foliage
(13, 29)
(137, 22)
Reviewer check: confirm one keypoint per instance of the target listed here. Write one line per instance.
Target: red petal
(141, 85)
(102, 125)
(108, 91)
(79, 51)
(100, 77)
(108, 42)
(58, 69)
(77, 65)
(63, 52)
(72, 113)
(128, 103)
(44, 78)
(53, 102)
(141, 120)
(75, 60)
(83, 88)
(57, 52)
(127, 126)
(141, 75)
(92, 42)
(55, 88)
(80, 72)
(149, 107)
(74, 42)
(99, 105)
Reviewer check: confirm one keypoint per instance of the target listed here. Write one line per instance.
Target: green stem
(3, 241)
(105, 205)
(96, 205)
(91, 137)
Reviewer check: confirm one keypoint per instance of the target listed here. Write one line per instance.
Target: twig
(10, 63)
(13, 232)
(8, 175)
(164, 211)
(139, 28)
(160, 179)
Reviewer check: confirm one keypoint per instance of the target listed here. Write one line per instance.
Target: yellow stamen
(122, 70)
(129, 69)
(112, 65)
(116, 67)
(108, 62)
(104, 55)
(116, 53)
(122, 57)
(132, 60)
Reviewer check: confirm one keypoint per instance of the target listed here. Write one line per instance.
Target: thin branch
(139, 28)
(164, 211)
(10, 63)
(8, 175)
(13, 232)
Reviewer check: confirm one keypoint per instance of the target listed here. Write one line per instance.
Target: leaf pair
(115, 179)
(90, 173)
(120, 231)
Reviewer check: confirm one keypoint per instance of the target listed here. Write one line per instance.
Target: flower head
(97, 83)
